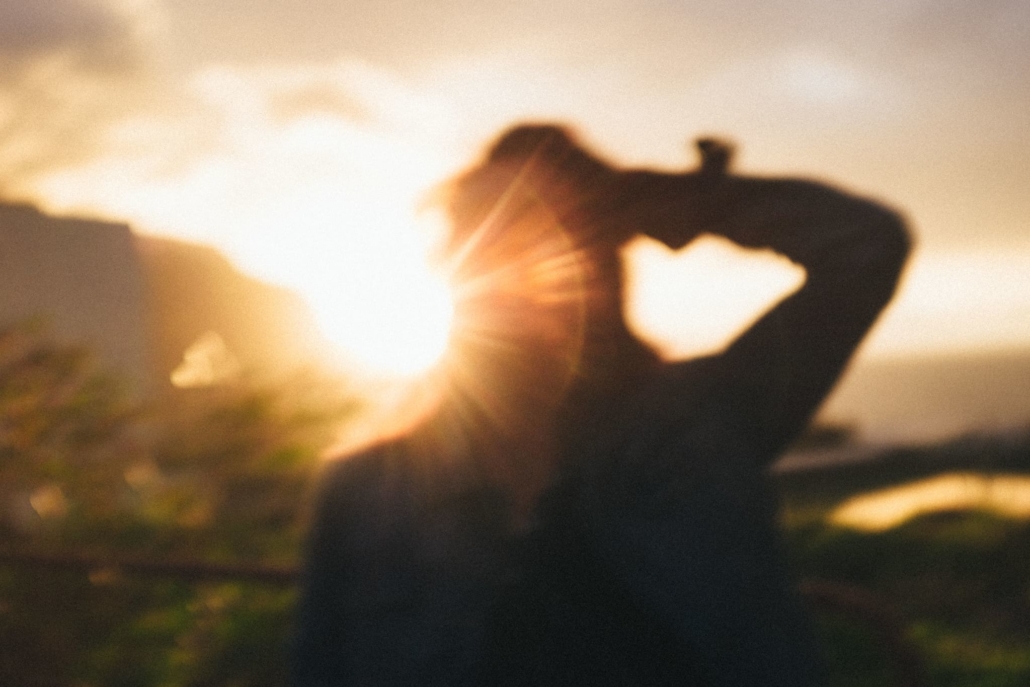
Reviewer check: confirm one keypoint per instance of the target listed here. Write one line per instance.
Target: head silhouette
(539, 269)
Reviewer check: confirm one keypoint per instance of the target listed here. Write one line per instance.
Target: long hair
(544, 163)
(538, 185)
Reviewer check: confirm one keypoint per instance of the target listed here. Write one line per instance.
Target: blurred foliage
(218, 474)
(221, 474)
(227, 467)
(65, 436)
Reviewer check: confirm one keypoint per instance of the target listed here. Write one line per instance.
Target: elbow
(896, 237)
(885, 248)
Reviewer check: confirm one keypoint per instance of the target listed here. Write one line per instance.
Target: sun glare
(399, 326)
(380, 301)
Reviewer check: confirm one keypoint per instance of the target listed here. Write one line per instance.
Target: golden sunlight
(374, 293)
(1007, 495)
(400, 328)
(694, 301)
(306, 198)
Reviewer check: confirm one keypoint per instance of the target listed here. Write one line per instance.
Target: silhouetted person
(577, 512)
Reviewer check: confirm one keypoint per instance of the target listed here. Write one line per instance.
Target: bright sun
(397, 324)
(375, 295)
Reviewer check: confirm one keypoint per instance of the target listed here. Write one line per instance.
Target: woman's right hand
(673, 208)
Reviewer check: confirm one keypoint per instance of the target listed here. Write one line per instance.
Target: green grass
(60, 629)
(959, 581)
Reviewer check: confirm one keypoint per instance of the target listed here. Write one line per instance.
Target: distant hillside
(139, 302)
(192, 290)
(932, 398)
(78, 278)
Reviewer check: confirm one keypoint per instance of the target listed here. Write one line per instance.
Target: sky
(298, 137)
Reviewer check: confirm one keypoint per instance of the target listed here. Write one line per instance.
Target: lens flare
(521, 295)
(398, 325)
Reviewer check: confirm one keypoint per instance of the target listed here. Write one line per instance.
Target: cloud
(68, 69)
(91, 34)
(271, 163)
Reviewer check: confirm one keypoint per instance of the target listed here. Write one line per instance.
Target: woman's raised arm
(775, 375)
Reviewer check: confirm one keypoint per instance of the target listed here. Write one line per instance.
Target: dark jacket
(656, 558)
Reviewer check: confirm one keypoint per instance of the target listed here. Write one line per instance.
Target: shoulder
(353, 471)
(360, 485)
